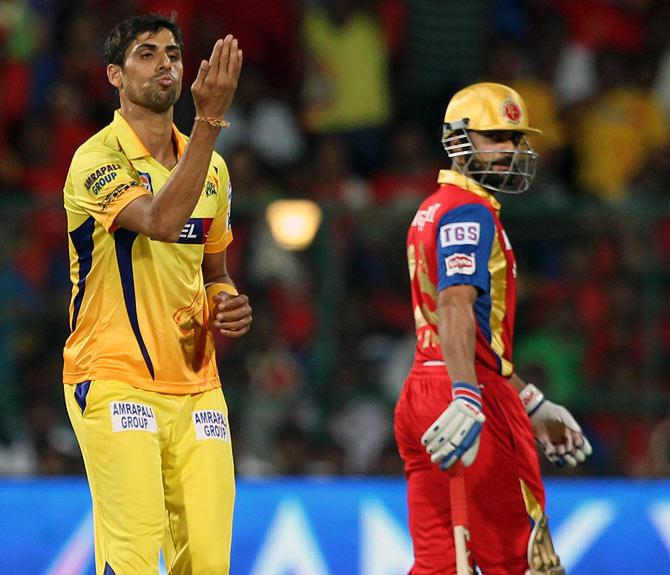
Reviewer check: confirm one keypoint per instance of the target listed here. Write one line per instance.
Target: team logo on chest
(211, 185)
(145, 181)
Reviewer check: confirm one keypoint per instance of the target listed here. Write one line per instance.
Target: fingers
(235, 322)
(573, 452)
(215, 58)
(229, 60)
(202, 74)
(466, 451)
(446, 441)
(443, 427)
(235, 328)
(234, 315)
(230, 302)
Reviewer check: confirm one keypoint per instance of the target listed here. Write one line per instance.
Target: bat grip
(459, 510)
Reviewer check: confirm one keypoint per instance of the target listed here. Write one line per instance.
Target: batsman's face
(152, 72)
(494, 148)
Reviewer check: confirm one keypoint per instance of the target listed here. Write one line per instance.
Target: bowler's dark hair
(127, 30)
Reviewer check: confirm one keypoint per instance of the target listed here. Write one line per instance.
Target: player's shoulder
(102, 145)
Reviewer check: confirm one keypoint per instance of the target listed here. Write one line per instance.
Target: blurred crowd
(341, 101)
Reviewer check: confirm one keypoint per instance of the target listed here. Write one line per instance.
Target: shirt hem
(152, 385)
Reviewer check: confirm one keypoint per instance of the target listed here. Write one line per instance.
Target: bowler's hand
(232, 316)
(216, 82)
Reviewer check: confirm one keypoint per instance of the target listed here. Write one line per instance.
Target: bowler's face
(152, 72)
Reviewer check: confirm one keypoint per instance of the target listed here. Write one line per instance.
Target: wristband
(531, 398)
(467, 392)
(216, 288)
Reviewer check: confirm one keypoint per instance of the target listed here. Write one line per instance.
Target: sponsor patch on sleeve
(464, 264)
(114, 195)
(102, 176)
(129, 416)
(210, 424)
(459, 234)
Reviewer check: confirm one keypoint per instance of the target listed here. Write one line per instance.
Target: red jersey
(457, 238)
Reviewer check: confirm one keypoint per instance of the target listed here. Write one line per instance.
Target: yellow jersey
(138, 310)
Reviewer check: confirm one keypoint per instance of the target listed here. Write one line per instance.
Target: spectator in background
(268, 32)
(508, 62)
(619, 132)
(552, 354)
(594, 26)
(443, 51)
(18, 45)
(333, 182)
(409, 172)
(346, 87)
(267, 125)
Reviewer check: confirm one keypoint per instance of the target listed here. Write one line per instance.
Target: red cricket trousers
(499, 520)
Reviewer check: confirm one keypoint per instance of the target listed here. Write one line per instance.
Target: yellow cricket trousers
(160, 470)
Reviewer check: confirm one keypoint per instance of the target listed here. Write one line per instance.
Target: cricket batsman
(462, 402)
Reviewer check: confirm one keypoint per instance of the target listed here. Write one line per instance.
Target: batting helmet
(489, 107)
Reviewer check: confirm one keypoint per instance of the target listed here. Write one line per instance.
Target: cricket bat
(459, 517)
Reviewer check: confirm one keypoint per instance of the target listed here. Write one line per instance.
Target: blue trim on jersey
(473, 241)
(80, 394)
(483, 314)
(82, 240)
(124, 239)
(108, 570)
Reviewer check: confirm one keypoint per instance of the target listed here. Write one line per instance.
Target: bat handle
(459, 518)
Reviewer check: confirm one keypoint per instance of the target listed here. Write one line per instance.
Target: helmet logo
(510, 111)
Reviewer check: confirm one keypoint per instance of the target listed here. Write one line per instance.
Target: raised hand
(216, 82)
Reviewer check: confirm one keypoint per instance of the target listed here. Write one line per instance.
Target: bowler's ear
(114, 75)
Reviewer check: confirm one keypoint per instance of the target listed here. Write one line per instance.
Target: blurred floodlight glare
(293, 223)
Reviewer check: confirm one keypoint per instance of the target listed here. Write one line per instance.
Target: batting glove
(455, 434)
(556, 431)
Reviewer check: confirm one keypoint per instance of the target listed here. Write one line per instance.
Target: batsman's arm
(454, 435)
(457, 331)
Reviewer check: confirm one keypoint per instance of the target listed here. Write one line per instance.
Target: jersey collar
(457, 179)
(131, 144)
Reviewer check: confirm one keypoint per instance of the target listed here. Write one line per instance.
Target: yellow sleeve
(220, 233)
(102, 182)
